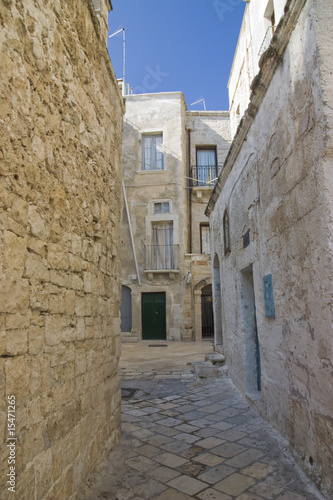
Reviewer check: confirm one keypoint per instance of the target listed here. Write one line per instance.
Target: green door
(153, 316)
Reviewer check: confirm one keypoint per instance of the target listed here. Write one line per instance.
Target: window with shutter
(152, 152)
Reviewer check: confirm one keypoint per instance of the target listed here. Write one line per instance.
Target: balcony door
(206, 165)
(163, 257)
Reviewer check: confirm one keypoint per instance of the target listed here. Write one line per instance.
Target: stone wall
(254, 37)
(276, 185)
(162, 113)
(60, 168)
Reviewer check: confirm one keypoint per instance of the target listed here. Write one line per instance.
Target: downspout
(131, 234)
(189, 188)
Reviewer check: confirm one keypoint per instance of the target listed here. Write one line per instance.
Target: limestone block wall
(278, 186)
(60, 168)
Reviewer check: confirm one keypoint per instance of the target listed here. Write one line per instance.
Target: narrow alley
(186, 438)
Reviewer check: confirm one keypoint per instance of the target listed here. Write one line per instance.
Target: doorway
(153, 308)
(207, 316)
(126, 309)
(251, 339)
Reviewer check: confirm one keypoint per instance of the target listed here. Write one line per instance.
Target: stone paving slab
(166, 454)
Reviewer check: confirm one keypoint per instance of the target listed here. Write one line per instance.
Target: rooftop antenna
(110, 36)
(203, 100)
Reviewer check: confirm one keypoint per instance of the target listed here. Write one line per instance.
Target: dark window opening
(226, 233)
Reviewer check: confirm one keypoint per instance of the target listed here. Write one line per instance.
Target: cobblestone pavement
(183, 438)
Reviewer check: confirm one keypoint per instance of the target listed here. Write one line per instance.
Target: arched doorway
(207, 315)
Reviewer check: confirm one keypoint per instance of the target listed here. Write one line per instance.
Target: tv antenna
(200, 100)
(110, 36)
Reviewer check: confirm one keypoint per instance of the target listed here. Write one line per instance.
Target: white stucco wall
(280, 189)
(246, 60)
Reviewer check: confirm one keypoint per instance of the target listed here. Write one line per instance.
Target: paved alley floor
(183, 438)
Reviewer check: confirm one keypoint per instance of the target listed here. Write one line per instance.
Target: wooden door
(153, 316)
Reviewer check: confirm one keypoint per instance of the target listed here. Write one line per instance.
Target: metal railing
(267, 40)
(161, 257)
(204, 175)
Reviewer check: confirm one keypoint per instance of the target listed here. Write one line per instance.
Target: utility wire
(158, 169)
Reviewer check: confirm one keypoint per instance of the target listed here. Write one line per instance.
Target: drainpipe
(131, 233)
(189, 190)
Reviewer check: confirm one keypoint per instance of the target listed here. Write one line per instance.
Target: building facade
(272, 239)
(60, 183)
(171, 160)
(261, 18)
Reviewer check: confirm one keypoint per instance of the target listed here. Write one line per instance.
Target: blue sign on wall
(268, 294)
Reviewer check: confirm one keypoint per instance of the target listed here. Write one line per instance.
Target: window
(162, 208)
(206, 169)
(204, 238)
(226, 233)
(152, 152)
(97, 5)
(163, 257)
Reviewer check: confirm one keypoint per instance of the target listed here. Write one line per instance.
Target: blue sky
(177, 45)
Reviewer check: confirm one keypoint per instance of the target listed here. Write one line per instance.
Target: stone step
(205, 369)
(219, 349)
(216, 359)
(129, 337)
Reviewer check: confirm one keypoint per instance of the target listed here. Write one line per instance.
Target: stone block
(54, 326)
(216, 359)
(75, 263)
(16, 321)
(19, 211)
(39, 297)
(16, 342)
(60, 278)
(37, 223)
(15, 227)
(14, 295)
(204, 369)
(35, 339)
(15, 253)
(76, 244)
(36, 268)
(58, 258)
(37, 246)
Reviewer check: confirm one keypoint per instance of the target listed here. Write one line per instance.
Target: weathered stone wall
(278, 185)
(60, 168)
(207, 128)
(162, 113)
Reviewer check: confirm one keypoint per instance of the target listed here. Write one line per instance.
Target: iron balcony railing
(267, 40)
(204, 175)
(161, 257)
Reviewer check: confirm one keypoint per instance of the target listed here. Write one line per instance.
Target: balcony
(266, 41)
(202, 176)
(161, 258)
